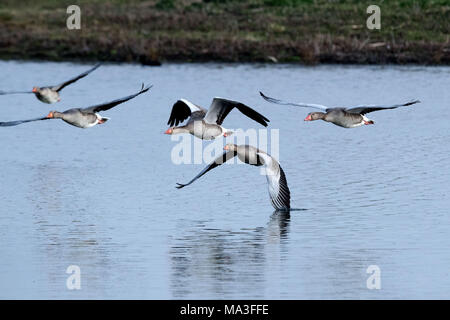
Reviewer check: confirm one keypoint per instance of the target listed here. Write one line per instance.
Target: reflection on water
(63, 226)
(104, 198)
(214, 261)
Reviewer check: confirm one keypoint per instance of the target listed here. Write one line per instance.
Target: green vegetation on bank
(306, 31)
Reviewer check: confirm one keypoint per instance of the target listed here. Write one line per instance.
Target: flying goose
(50, 94)
(276, 179)
(207, 124)
(344, 117)
(81, 118)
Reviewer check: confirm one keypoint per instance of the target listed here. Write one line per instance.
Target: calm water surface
(104, 198)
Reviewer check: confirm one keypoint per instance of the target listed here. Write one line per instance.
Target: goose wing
(14, 92)
(277, 183)
(220, 108)
(300, 104)
(363, 109)
(217, 162)
(16, 123)
(112, 104)
(181, 110)
(59, 87)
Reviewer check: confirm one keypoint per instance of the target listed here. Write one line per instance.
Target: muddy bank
(236, 31)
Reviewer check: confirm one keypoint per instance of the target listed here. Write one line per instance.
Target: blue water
(104, 198)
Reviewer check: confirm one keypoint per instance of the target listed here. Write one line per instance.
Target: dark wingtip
(145, 88)
(179, 185)
(263, 120)
(283, 210)
(412, 102)
(268, 99)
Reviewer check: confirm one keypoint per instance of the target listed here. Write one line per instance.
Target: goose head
(230, 147)
(170, 130)
(55, 115)
(315, 116)
(175, 130)
(226, 132)
(367, 121)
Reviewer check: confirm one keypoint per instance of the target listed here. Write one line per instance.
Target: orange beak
(308, 118)
(169, 131)
(50, 115)
(34, 90)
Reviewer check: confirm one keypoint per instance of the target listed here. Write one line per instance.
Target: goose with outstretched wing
(276, 179)
(50, 94)
(344, 117)
(81, 117)
(207, 124)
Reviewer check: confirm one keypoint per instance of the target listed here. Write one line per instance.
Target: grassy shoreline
(299, 31)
